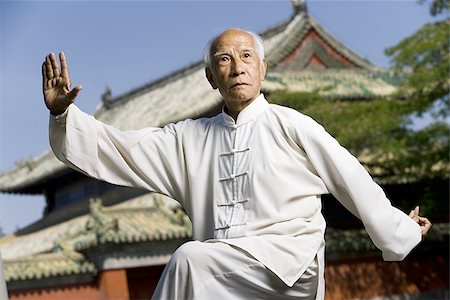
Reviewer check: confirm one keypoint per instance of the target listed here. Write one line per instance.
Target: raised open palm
(56, 84)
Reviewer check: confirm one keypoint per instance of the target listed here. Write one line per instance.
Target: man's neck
(233, 108)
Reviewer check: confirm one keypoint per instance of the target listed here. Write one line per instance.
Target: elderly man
(250, 180)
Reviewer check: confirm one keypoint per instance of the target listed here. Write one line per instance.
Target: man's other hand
(424, 223)
(56, 84)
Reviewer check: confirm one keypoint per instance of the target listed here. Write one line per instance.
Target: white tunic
(254, 183)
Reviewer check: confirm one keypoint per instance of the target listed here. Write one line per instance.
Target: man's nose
(237, 68)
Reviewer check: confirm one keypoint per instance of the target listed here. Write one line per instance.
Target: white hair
(257, 39)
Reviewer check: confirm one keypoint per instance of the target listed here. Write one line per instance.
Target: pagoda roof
(305, 38)
(60, 250)
(335, 83)
(301, 54)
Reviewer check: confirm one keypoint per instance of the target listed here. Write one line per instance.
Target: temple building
(101, 241)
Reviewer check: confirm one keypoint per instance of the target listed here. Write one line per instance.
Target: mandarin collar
(248, 113)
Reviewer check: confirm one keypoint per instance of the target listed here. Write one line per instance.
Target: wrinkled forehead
(232, 40)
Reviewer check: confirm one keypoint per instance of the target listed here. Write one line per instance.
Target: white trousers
(216, 270)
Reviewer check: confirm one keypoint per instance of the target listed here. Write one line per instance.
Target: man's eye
(247, 55)
(223, 59)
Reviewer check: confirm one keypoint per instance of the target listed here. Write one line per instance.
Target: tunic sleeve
(150, 158)
(391, 230)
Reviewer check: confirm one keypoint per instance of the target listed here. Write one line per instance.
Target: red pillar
(113, 285)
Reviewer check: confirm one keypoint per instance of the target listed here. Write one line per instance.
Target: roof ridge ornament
(107, 96)
(99, 221)
(299, 7)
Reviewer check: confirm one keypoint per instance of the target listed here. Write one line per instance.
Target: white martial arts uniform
(254, 184)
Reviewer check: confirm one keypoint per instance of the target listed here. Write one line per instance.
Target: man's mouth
(239, 84)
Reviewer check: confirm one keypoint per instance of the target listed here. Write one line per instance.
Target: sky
(124, 45)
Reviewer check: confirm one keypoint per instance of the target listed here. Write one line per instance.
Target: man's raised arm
(56, 84)
(149, 158)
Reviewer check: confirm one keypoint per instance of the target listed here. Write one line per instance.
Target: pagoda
(101, 241)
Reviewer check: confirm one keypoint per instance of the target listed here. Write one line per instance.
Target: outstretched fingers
(55, 65)
(51, 67)
(48, 67)
(64, 68)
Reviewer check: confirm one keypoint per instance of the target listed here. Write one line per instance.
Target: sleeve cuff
(61, 118)
(408, 246)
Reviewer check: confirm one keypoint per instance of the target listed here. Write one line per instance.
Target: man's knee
(189, 253)
(181, 272)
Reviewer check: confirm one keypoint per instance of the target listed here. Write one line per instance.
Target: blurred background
(376, 76)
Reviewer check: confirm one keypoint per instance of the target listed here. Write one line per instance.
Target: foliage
(377, 132)
(424, 58)
(437, 6)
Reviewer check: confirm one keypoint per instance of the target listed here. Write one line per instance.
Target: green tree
(438, 6)
(424, 60)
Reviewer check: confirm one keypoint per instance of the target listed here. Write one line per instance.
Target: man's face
(236, 69)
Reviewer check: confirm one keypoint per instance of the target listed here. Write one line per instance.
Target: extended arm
(150, 158)
(391, 230)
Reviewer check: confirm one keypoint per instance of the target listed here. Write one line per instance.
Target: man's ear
(263, 69)
(210, 78)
